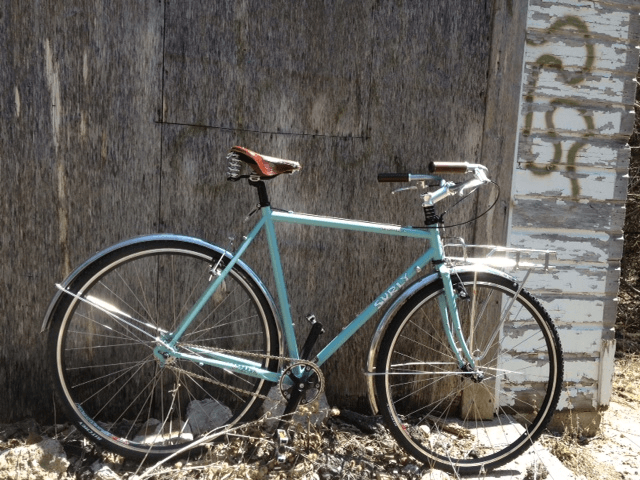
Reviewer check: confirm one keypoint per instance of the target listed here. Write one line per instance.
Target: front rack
(499, 257)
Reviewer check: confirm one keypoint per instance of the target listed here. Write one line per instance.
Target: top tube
(353, 225)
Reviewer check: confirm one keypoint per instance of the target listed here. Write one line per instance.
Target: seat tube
(278, 275)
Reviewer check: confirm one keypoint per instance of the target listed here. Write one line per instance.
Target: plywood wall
(116, 117)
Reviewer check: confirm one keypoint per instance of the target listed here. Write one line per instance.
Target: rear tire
(107, 377)
(443, 416)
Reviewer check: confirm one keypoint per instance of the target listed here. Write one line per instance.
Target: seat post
(263, 197)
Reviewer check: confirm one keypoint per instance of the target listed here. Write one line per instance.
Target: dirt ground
(615, 452)
(349, 446)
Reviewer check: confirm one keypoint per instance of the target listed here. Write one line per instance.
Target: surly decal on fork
(391, 291)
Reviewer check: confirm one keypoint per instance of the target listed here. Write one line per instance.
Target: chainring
(304, 375)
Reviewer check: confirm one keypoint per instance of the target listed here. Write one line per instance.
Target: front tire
(102, 342)
(453, 420)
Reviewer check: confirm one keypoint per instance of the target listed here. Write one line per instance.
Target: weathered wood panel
(79, 157)
(301, 67)
(505, 78)
(570, 182)
(420, 77)
(100, 140)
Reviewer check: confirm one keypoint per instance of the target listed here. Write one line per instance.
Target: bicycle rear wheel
(102, 339)
(451, 419)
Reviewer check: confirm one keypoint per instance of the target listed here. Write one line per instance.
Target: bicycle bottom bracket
(305, 377)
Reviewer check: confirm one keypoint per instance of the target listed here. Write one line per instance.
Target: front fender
(393, 309)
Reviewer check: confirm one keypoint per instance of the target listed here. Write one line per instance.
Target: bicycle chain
(294, 361)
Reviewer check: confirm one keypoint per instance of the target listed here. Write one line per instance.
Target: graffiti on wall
(571, 78)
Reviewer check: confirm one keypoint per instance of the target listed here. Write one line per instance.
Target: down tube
(391, 291)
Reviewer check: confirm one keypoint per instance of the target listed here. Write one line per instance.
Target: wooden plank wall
(570, 180)
(116, 117)
(80, 84)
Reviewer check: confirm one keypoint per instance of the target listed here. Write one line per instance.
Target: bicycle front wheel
(461, 421)
(130, 300)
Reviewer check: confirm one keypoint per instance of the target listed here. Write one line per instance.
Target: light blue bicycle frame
(435, 253)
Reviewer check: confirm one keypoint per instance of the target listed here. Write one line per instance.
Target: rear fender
(164, 237)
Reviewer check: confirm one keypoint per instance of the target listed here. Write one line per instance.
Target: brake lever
(470, 185)
(397, 190)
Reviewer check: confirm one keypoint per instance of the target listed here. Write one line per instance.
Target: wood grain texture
(117, 117)
(79, 156)
(413, 90)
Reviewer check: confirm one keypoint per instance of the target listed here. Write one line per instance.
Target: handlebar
(452, 167)
(405, 177)
(434, 167)
(446, 188)
(393, 177)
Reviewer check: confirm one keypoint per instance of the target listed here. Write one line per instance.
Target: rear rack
(499, 257)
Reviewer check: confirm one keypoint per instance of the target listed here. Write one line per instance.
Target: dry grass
(576, 451)
(626, 382)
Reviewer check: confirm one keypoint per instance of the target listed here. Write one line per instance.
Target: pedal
(282, 440)
(316, 330)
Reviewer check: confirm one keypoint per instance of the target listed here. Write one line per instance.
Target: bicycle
(158, 340)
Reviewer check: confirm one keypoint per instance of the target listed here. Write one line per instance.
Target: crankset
(305, 379)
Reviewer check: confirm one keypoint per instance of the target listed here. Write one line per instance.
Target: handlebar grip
(393, 177)
(448, 167)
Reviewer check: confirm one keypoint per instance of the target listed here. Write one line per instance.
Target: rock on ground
(45, 460)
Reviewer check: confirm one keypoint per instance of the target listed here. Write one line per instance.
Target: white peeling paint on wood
(578, 397)
(607, 364)
(581, 340)
(568, 120)
(575, 339)
(582, 280)
(603, 20)
(569, 183)
(611, 55)
(582, 371)
(575, 311)
(571, 246)
(603, 88)
(596, 153)
(597, 184)
(550, 214)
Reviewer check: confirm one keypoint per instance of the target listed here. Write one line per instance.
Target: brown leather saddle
(264, 166)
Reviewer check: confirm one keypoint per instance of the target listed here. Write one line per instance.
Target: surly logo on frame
(391, 291)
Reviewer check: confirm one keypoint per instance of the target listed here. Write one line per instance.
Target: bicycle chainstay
(260, 356)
